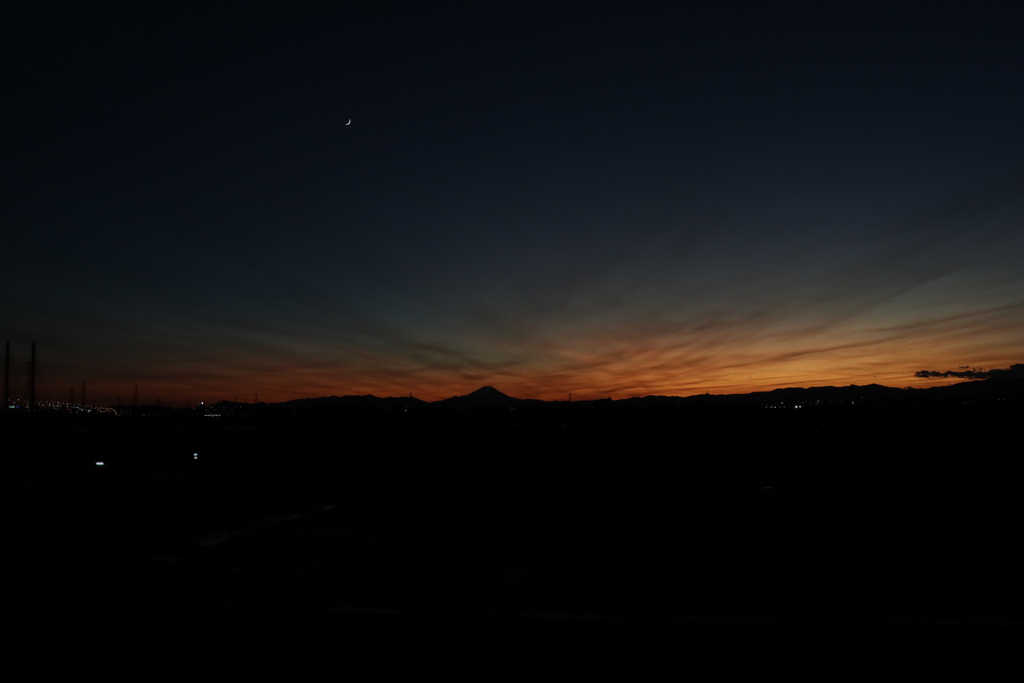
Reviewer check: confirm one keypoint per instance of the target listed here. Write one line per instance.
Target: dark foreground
(259, 569)
(734, 562)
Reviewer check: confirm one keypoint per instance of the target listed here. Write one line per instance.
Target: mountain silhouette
(484, 397)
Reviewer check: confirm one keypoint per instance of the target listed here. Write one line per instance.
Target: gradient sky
(610, 202)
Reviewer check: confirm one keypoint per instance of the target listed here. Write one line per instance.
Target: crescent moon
(349, 121)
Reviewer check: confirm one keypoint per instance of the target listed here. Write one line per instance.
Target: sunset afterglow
(602, 206)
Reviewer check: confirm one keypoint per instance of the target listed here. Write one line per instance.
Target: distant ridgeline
(487, 398)
(786, 431)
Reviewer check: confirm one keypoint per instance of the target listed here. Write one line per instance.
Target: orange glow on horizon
(612, 362)
(728, 380)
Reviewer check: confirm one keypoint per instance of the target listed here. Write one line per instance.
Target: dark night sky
(610, 201)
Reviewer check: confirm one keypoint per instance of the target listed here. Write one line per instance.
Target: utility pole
(7, 374)
(32, 380)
